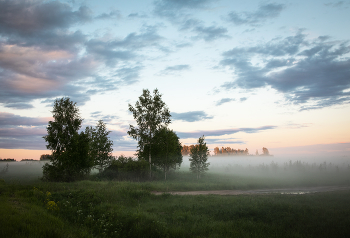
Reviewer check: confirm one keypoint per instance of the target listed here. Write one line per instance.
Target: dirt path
(302, 190)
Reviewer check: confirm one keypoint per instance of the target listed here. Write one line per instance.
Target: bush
(126, 168)
(61, 174)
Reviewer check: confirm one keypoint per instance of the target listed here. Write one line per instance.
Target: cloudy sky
(246, 74)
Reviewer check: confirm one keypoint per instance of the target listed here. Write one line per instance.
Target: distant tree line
(7, 160)
(225, 151)
(186, 150)
(45, 157)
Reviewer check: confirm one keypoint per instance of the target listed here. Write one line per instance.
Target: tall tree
(265, 151)
(217, 151)
(66, 124)
(166, 152)
(100, 145)
(198, 157)
(151, 114)
(69, 148)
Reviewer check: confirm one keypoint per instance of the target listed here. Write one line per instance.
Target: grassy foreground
(129, 209)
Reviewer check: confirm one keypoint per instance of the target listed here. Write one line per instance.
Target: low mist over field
(332, 170)
(245, 161)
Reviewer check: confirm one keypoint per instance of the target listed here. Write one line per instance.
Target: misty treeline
(7, 160)
(226, 151)
(230, 151)
(75, 153)
(45, 157)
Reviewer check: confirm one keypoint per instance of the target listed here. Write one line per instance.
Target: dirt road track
(301, 190)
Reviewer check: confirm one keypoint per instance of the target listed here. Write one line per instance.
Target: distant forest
(7, 160)
(225, 151)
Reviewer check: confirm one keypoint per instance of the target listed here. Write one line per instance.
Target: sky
(245, 74)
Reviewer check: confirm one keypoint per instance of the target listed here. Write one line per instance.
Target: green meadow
(96, 207)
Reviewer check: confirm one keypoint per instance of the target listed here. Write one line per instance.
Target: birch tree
(198, 157)
(151, 114)
(100, 145)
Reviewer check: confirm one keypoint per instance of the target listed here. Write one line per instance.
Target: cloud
(106, 118)
(19, 105)
(93, 114)
(42, 58)
(10, 119)
(107, 52)
(224, 141)
(175, 69)
(28, 73)
(28, 17)
(197, 134)
(210, 33)
(206, 33)
(129, 75)
(264, 12)
(180, 13)
(190, 116)
(311, 73)
(224, 100)
(42, 24)
(17, 132)
(39, 55)
(137, 15)
(30, 143)
(339, 4)
(113, 51)
(117, 78)
(22, 138)
(115, 14)
(172, 9)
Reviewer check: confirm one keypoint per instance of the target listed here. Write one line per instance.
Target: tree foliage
(166, 152)
(198, 157)
(151, 114)
(100, 145)
(69, 148)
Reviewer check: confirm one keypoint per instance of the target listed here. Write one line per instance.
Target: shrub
(126, 168)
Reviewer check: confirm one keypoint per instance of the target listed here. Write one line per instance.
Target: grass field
(93, 208)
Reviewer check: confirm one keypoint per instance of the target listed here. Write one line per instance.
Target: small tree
(166, 152)
(198, 157)
(69, 148)
(150, 114)
(100, 145)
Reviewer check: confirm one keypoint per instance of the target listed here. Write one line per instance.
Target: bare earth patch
(303, 190)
